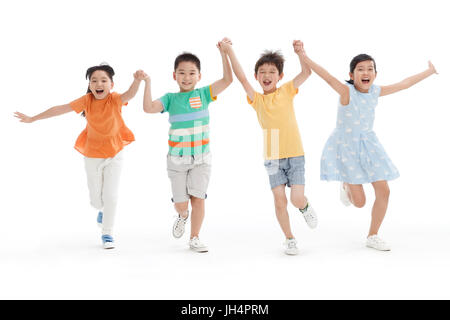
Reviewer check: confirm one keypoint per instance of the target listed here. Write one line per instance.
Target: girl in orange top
(102, 141)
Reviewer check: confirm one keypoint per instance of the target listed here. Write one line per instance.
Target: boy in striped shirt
(188, 161)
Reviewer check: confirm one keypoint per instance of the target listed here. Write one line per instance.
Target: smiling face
(364, 75)
(100, 84)
(268, 77)
(187, 75)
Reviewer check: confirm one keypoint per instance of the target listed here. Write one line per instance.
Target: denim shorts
(288, 171)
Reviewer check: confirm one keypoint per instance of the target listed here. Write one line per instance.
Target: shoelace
(291, 244)
(378, 241)
(308, 215)
(196, 242)
(180, 223)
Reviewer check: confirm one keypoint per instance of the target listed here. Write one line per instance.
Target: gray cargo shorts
(189, 176)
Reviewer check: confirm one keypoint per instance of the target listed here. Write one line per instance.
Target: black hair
(187, 57)
(360, 58)
(271, 57)
(103, 67)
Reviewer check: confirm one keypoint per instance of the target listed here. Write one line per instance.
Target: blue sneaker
(108, 241)
(100, 219)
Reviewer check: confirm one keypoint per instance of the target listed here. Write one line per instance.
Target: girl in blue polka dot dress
(353, 154)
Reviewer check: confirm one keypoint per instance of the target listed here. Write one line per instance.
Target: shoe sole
(199, 250)
(108, 247)
(377, 248)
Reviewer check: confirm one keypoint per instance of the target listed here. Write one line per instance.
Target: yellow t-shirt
(276, 116)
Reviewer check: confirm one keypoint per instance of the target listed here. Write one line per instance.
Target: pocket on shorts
(176, 163)
(272, 166)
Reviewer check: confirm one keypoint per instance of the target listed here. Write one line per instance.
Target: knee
(383, 194)
(359, 201)
(197, 202)
(299, 201)
(181, 206)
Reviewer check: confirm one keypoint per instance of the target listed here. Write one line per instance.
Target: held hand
(431, 67)
(298, 46)
(227, 40)
(140, 75)
(23, 117)
(147, 78)
(300, 50)
(224, 45)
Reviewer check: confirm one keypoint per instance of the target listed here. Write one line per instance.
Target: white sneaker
(196, 245)
(108, 241)
(178, 226)
(291, 247)
(376, 243)
(344, 196)
(310, 216)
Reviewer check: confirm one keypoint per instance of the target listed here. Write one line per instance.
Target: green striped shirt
(189, 118)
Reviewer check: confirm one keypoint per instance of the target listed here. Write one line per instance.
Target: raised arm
(131, 92)
(237, 69)
(149, 105)
(52, 112)
(306, 70)
(409, 82)
(220, 85)
(339, 87)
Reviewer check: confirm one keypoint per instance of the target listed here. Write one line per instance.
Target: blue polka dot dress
(353, 153)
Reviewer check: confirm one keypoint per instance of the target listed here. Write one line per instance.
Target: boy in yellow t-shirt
(283, 150)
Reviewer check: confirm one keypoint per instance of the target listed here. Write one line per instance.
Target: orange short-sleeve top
(105, 133)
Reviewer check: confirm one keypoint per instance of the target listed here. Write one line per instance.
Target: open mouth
(267, 82)
(365, 81)
(99, 92)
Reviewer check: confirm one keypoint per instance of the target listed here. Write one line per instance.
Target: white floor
(246, 261)
(49, 243)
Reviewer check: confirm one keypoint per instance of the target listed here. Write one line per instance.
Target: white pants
(103, 177)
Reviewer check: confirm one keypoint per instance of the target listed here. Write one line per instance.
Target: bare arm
(238, 72)
(131, 92)
(220, 85)
(52, 112)
(338, 86)
(408, 82)
(149, 105)
(306, 70)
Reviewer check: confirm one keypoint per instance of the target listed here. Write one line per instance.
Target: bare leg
(298, 198)
(182, 208)
(280, 201)
(356, 194)
(198, 214)
(380, 206)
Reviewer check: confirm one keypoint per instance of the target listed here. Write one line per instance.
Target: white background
(49, 243)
